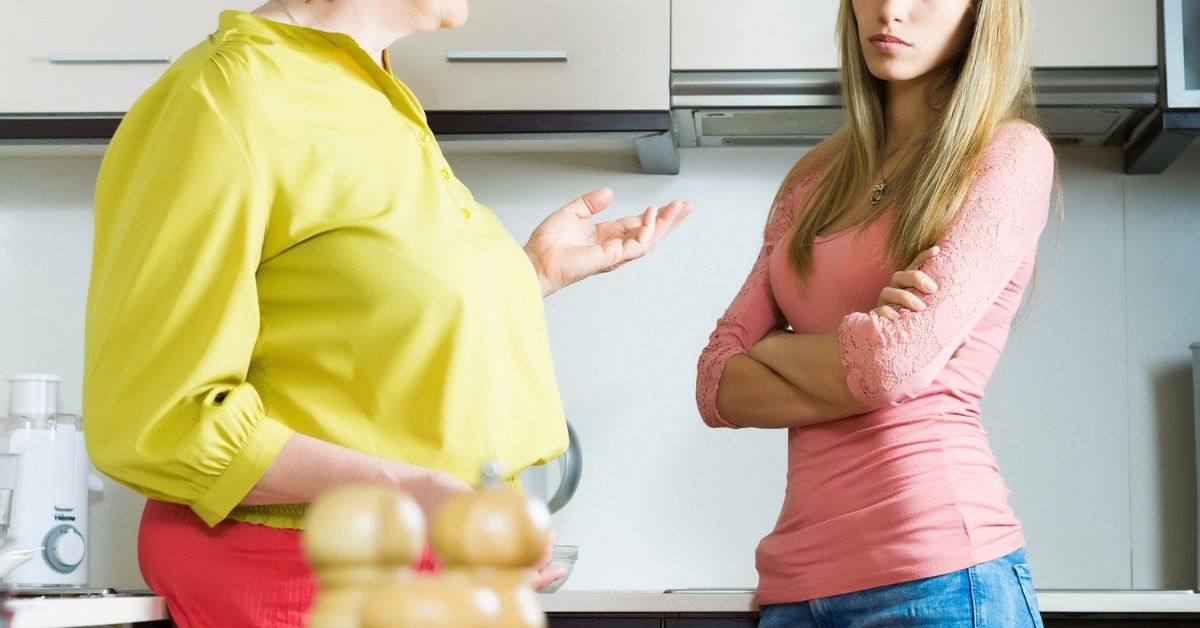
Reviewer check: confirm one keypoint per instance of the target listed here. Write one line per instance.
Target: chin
(894, 71)
(455, 16)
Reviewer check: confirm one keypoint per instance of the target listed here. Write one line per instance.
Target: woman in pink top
(895, 512)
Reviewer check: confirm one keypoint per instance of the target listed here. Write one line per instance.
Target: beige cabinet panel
(753, 35)
(95, 45)
(799, 34)
(617, 57)
(1095, 33)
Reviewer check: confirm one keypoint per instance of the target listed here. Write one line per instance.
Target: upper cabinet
(76, 56)
(539, 55)
(794, 35)
(753, 35)
(1095, 33)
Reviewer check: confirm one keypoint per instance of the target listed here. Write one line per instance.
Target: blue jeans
(995, 594)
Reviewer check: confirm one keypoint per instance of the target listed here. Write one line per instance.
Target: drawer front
(605, 622)
(543, 55)
(72, 56)
(711, 622)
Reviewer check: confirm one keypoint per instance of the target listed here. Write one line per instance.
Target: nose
(894, 11)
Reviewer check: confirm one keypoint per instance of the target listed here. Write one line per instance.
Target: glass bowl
(564, 556)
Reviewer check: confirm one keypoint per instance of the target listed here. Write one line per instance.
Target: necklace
(286, 12)
(879, 190)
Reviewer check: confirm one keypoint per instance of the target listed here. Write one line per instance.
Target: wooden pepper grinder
(489, 542)
(357, 537)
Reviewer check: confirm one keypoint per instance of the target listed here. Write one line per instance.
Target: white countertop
(65, 612)
(1049, 601)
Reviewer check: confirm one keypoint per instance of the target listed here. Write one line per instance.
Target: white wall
(1089, 412)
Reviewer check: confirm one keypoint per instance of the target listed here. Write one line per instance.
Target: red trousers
(233, 575)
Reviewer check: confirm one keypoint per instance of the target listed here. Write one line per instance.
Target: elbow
(708, 389)
(105, 453)
(707, 402)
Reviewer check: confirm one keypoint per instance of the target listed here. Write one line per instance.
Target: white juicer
(45, 477)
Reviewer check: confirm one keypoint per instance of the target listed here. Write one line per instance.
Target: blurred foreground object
(363, 539)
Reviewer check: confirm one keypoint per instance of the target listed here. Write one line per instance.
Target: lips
(888, 43)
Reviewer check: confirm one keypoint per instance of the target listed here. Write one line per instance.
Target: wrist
(764, 350)
(539, 270)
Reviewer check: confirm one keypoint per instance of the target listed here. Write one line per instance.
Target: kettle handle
(571, 468)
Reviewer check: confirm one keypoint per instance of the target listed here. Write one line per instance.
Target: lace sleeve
(752, 314)
(1003, 214)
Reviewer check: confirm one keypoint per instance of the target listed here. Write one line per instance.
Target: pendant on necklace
(880, 189)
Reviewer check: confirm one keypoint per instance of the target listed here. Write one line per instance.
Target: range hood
(1091, 107)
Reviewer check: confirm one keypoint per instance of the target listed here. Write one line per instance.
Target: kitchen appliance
(45, 478)
(556, 489)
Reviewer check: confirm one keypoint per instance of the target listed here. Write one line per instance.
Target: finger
(924, 282)
(590, 204)
(902, 298)
(645, 235)
(924, 256)
(670, 217)
(629, 223)
(548, 552)
(549, 575)
(914, 279)
(886, 311)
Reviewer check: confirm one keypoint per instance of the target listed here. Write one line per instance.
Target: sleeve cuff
(243, 472)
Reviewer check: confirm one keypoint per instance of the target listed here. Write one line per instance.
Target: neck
(367, 29)
(907, 111)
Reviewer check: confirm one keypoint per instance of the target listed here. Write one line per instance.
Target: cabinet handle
(506, 56)
(70, 58)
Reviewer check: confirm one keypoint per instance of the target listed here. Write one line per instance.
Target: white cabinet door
(799, 34)
(1095, 33)
(753, 34)
(105, 53)
(511, 57)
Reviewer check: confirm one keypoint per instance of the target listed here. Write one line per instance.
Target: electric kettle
(539, 480)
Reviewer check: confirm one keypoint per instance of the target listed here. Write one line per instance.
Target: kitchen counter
(92, 610)
(65, 612)
(704, 602)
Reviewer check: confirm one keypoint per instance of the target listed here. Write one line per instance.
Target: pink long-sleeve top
(910, 489)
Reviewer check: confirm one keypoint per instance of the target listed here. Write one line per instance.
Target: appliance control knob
(65, 548)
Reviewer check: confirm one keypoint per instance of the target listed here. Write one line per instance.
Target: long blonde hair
(989, 84)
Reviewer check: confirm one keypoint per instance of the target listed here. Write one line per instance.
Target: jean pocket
(1026, 580)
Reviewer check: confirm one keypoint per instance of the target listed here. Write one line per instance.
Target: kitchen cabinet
(540, 55)
(710, 622)
(74, 56)
(789, 35)
(601, 621)
(699, 621)
(753, 35)
(1095, 33)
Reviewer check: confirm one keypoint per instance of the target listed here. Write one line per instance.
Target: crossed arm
(754, 375)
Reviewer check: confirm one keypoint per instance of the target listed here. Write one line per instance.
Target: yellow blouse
(281, 247)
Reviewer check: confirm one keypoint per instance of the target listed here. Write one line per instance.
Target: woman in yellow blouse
(291, 290)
